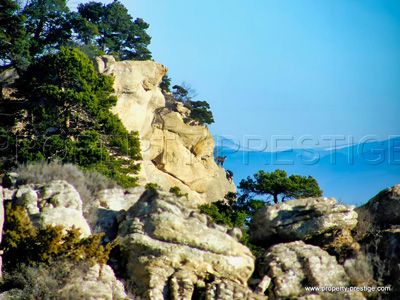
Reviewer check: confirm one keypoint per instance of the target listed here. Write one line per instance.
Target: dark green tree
(279, 186)
(48, 25)
(200, 112)
(69, 117)
(165, 84)
(111, 29)
(180, 93)
(14, 43)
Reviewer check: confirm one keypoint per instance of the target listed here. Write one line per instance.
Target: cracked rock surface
(171, 249)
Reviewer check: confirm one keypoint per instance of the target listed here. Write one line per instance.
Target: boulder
(170, 250)
(54, 203)
(383, 210)
(296, 265)
(378, 232)
(302, 219)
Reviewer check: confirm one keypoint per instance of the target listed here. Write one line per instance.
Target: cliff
(174, 153)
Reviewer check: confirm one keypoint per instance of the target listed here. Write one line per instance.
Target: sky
(284, 67)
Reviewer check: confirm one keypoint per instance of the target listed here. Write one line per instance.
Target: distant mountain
(352, 174)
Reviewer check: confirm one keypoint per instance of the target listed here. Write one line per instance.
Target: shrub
(177, 192)
(25, 244)
(151, 186)
(41, 281)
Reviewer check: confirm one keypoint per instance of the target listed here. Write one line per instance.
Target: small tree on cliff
(279, 186)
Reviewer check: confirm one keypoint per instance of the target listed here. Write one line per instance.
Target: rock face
(379, 234)
(302, 219)
(54, 203)
(294, 266)
(174, 153)
(98, 283)
(173, 250)
(319, 221)
(383, 209)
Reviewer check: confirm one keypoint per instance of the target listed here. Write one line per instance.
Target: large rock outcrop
(319, 221)
(294, 266)
(173, 250)
(378, 232)
(302, 219)
(174, 153)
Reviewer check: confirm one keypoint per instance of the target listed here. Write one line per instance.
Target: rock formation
(319, 221)
(294, 266)
(302, 219)
(172, 249)
(378, 232)
(53, 203)
(174, 153)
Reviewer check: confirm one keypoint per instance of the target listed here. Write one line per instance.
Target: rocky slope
(168, 249)
(174, 153)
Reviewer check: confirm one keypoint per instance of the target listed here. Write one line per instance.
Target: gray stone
(293, 266)
(301, 219)
(168, 248)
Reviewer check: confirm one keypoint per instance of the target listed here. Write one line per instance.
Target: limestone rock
(97, 283)
(118, 199)
(169, 249)
(302, 219)
(54, 203)
(293, 266)
(174, 153)
(136, 86)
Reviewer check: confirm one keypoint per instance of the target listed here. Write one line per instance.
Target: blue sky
(281, 67)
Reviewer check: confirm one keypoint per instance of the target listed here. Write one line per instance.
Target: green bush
(177, 192)
(43, 280)
(151, 186)
(25, 244)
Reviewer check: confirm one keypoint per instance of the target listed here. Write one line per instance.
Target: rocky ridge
(174, 153)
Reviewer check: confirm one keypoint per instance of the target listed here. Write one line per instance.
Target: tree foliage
(69, 117)
(112, 30)
(14, 45)
(279, 186)
(199, 110)
(44, 26)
